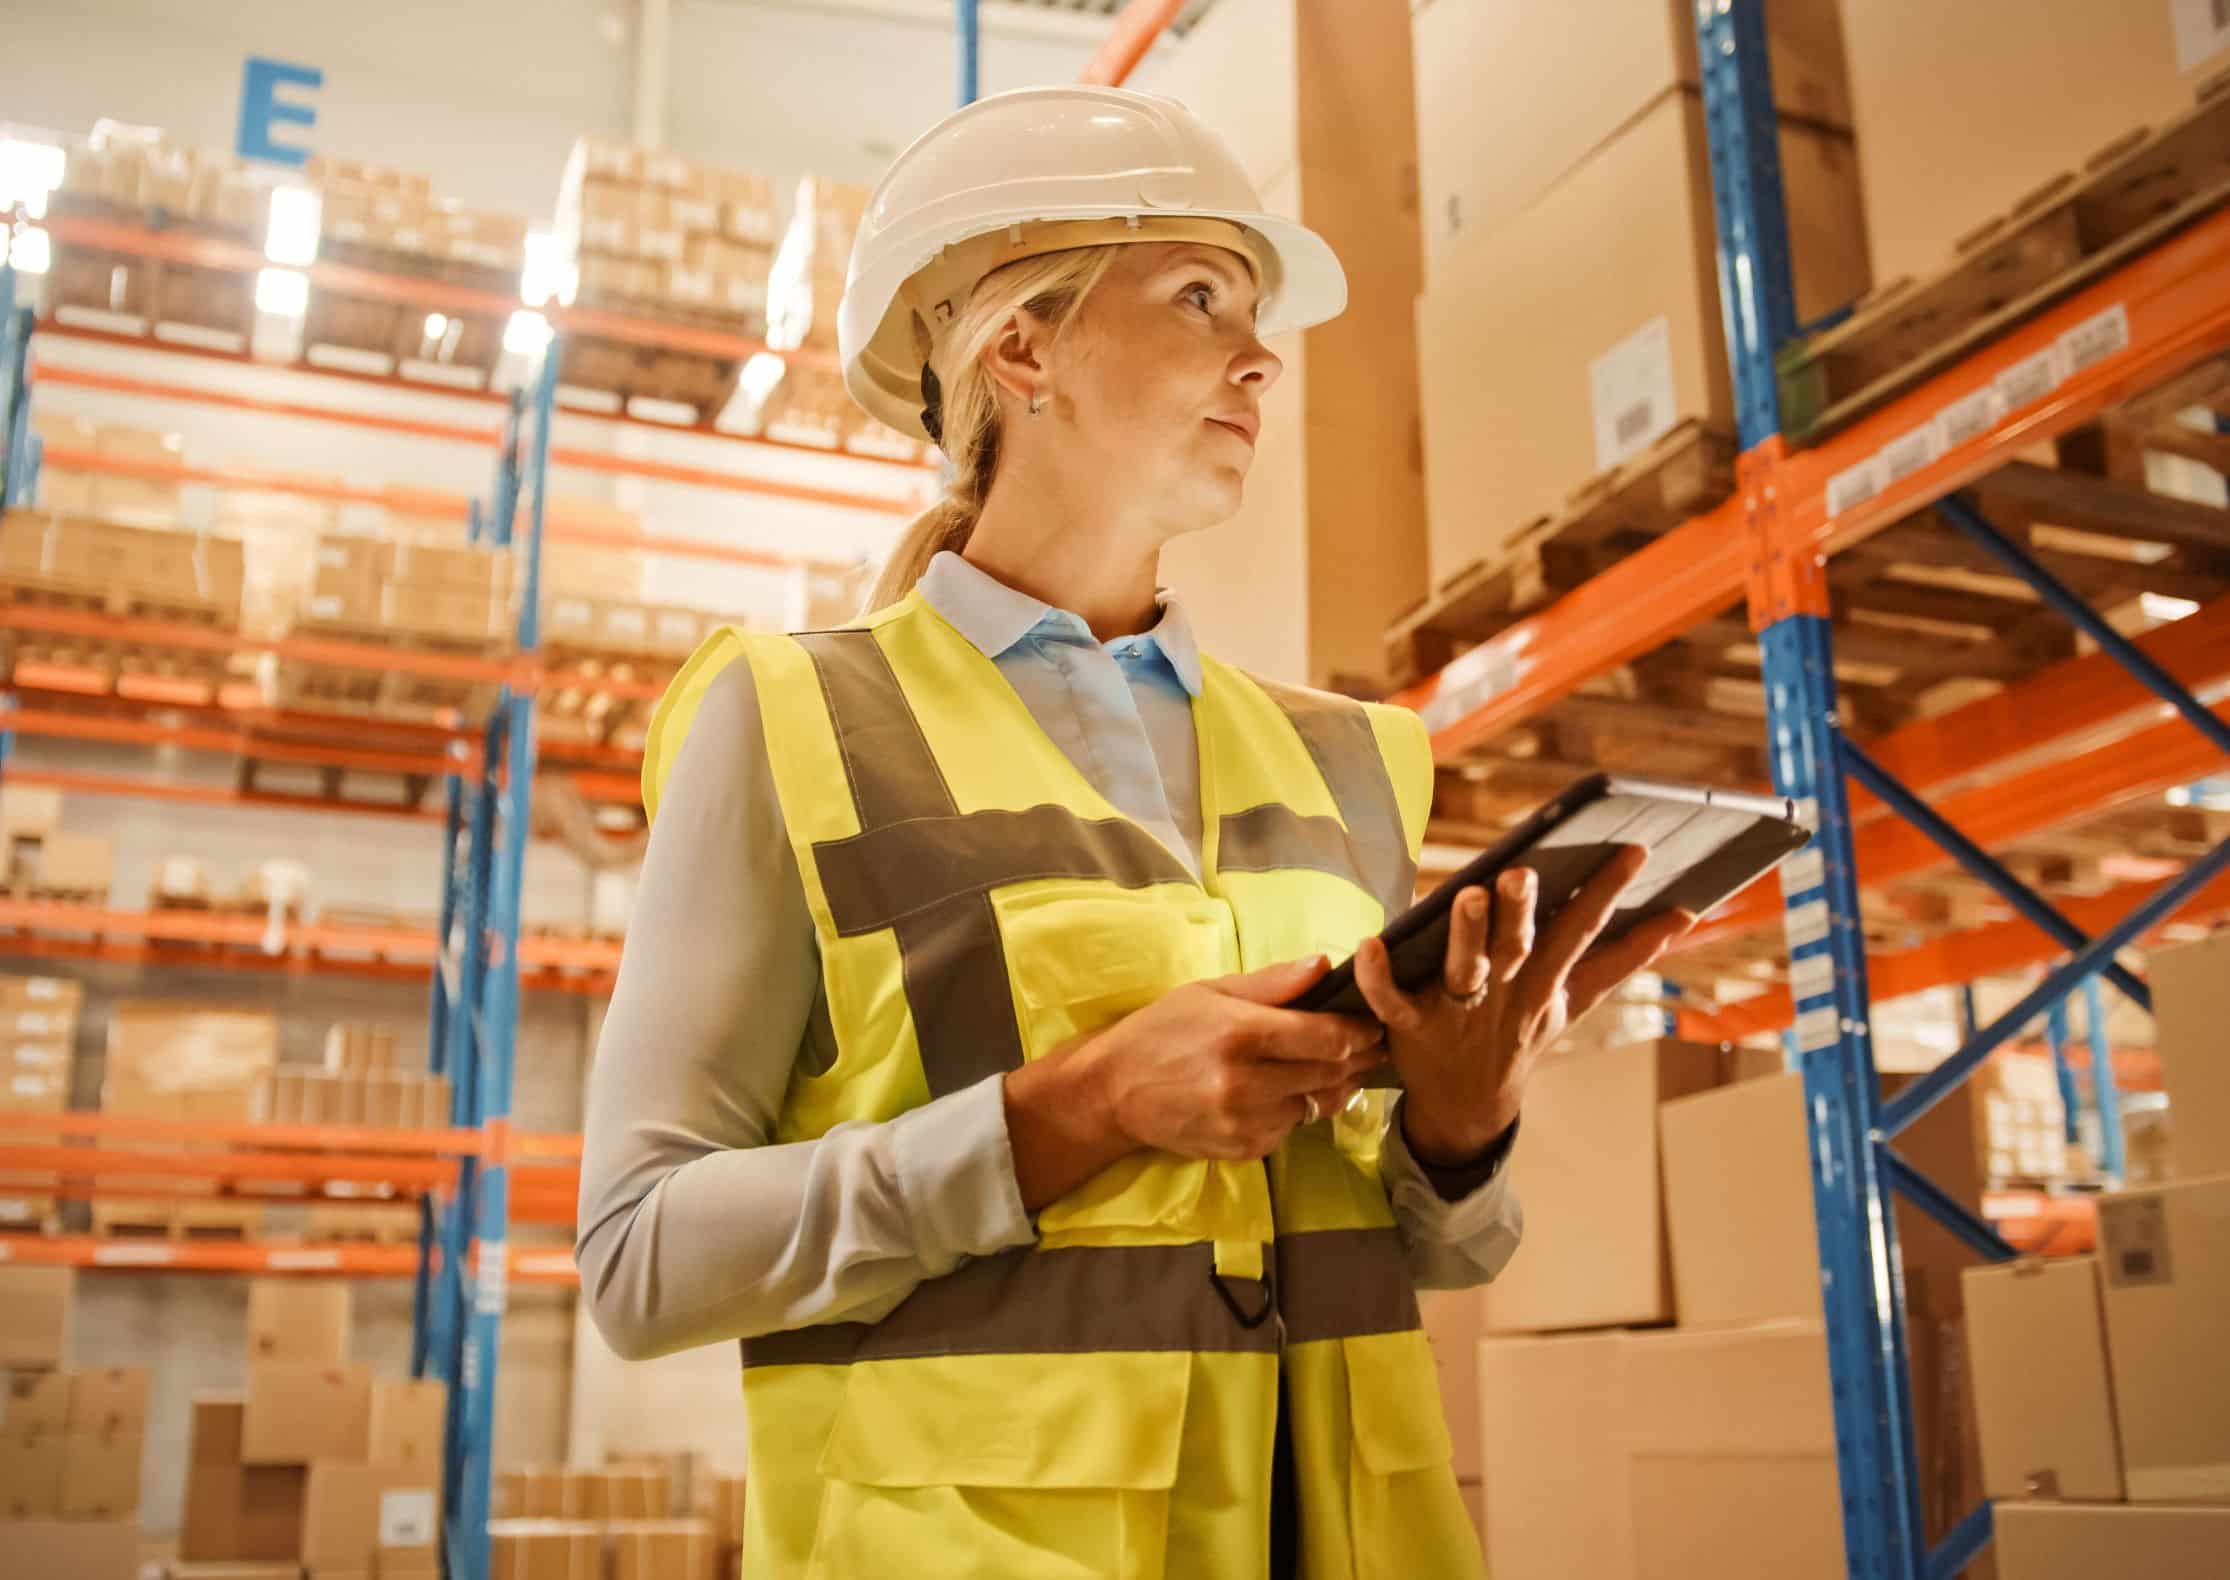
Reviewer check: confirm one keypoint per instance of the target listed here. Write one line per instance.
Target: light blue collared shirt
(1120, 710)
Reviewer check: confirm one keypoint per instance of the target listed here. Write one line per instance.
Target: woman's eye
(1204, 293)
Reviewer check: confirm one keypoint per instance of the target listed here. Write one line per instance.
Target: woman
(946, 1068)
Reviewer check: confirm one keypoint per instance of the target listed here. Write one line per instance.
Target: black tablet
(1704, 846)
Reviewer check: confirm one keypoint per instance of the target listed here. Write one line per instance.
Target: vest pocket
(1405, 1516)
(970, 1465)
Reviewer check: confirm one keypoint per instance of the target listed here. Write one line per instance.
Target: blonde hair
(1051, 287)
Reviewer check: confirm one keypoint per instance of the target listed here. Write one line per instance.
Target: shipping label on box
(407, 1517)
(1634, 400)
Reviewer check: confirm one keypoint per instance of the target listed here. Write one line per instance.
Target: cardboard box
(1588, 1174)
(38, 1401)
(1572, 338)
(386, 1100)
(2191, 1009)
(242, 1512)
(1510, 96)
(1553, 1454)
(352, 1512)
(299, 1319)
(177, 1047)
(1962, 109)
(408, 1424)
(345, 1099)
(537, 1494)
(2164, 1253)
(113, 1400)
(662, 1550)
(100, 1473)
(538, 1549)
(78, 1549)
(720, 1496)
(30, 1473)
(235, 1511)
(2051, 1541)
(34, 1315)
(1738, 1202)
(2037, 1342)
(1731, 1455)
(76, 863)
(50, 996)
(298, 1412)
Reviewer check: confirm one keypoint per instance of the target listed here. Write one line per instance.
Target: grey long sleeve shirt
(695, 1226)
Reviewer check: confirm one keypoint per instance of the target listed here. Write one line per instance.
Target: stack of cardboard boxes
(134, 167)
(2021, 1120)
(1957, 111)
(43, 861)
(1571, 314)
(651, 229)
(70, 1442)
(559, 1524)
(1670, 1183)
(68, 488)
(809, 405)
(181, 1061)
(2101, 1382)
(395, 211)
(38, 1031)
(456, 593)
(127, 569)
(360, 1083)
(317, 1466)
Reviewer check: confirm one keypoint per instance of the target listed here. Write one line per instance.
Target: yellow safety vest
(1101, 1403)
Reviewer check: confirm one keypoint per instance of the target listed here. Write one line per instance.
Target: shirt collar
(994, 616)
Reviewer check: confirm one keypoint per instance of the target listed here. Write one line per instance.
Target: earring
(1037, 403)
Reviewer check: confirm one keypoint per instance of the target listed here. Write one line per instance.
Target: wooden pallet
(216, 304)
(1689, 470)
(218, 1220)
(2127, 197)
(398, 337)
(386, 1223)
(627, 371)
(402, 695)
(186, 676)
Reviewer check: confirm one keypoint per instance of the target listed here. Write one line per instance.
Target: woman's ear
(1015, 356)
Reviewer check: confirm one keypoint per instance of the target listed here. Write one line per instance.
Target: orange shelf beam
(2177, 302)
(529, 1264)
(415, 387)
(1954, 959)
(62, 377)
(203, 927)
(1136, 28)
(556, 528)
(519, 1146)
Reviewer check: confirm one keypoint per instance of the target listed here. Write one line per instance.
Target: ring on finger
(1314, 1109)
(1471, 1000)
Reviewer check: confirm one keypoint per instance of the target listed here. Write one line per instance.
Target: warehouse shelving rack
(2130, 331)
(477, 1178)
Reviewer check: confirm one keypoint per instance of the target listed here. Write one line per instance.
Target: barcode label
(1471, 681)
(2133, 1232)
(1817, 1029)
(406, 1518)
(1805, 924)
(2030, 379)
(1854, 485)
(1802, 871)
(1632, 391)
(495, 1278)
(2202, 30)
(1905, 456)
(1811, 976)
(1969, 418)
(2095, 339)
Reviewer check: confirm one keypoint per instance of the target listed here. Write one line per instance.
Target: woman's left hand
(1465, 1046)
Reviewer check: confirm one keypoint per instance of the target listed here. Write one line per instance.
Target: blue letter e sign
(261, 108)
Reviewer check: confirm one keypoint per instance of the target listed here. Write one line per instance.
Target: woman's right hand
(1219, 1069)
(1216, 1068)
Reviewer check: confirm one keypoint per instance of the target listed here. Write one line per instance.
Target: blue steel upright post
(1860, 1278)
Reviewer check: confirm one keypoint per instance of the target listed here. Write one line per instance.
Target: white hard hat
(1040, 170)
